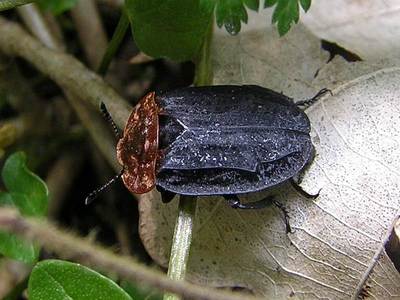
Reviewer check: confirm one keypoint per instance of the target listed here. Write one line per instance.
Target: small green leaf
(305, 4)
(252, 4)
(29, 194)
(231, 13)
(19, 180)
(11, 245)
(10, 4)
(285, 13)
(56, 7)
(57, 279)
(175, 29)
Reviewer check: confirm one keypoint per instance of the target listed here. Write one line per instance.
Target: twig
(87, 115)
(140, 58)
(9, 132)
(34, 20)
(55, 29)
(94, 40)
(69, 246)
(90, 30)
(12, 273)
(15, 86)
(67, 71)
(98, 130)
(123, 234)
(59, 180)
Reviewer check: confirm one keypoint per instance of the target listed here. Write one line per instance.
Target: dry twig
(69, 246)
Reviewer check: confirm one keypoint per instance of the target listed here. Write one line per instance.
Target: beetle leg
(308, 102)
(234, 202)
(285, 215)
(301, 191)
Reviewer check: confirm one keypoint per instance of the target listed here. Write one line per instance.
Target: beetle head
(138, 147)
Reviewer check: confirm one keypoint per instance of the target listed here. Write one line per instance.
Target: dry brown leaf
(368, 28)
(335, 238)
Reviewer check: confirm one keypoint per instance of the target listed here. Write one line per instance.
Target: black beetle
(214, 140)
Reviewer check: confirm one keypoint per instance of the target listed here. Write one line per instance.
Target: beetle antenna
(109, 119)
(93, 195)
(308, 102)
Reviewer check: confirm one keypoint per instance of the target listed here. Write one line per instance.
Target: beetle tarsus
(285, 215)
(308, 102)
(234, 202)
(301, 191)
(110, 120)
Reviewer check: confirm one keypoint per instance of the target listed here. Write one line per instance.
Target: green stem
(115, 42)
(182, 240)
(9, 4)
(183, 232)
(204, 72)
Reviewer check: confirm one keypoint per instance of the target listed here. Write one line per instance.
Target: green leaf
(231, 13)
(57, 279)
(286, 12)
(174, 29)
(10, 4)
(56, 6)
(305, 4)
(29, 194)
(11, 245)
(18, 179)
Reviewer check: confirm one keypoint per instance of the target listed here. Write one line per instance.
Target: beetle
(214, 140)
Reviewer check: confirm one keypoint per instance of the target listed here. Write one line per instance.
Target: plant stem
(91, 32)
(37, 25)
(183, 232)
(204, 72)
(115, 42)
(70, 246)
(9, 4)
(180, 249)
